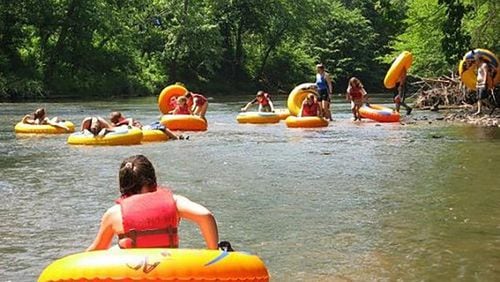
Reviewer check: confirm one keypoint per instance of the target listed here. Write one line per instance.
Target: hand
(243, 110)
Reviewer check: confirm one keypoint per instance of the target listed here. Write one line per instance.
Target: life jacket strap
(133, 234)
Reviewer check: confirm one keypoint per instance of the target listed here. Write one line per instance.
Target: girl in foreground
(147, 215)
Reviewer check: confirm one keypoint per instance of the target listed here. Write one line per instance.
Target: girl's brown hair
(354, 81)
(39, 113)
(136, 172)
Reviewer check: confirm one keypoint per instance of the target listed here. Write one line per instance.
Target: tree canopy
(105, 48)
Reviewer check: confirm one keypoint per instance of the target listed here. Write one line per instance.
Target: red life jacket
(265, 100)
(183, 110)
(200, 99)
(310, 110)
(150, 220)
(355, 93)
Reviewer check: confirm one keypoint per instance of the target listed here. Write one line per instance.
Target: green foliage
(454, 41)
(57, 48)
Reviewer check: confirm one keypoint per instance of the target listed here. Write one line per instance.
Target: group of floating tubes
(43, 128)
(156, 265)
(467, 68)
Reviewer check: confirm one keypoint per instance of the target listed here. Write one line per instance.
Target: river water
(351, 202)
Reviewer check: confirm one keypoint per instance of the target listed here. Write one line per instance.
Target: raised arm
(200, 215)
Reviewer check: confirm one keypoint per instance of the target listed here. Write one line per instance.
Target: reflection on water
(348, 202)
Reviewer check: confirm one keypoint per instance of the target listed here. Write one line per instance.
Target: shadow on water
(349, 202)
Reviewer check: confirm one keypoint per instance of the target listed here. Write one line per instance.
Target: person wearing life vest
(117, 119)
(182, 107)
(198, 103)
(310, 107)
(356, 94)
(325, 89)
(264, 100)
(147, 215)
(400, 93)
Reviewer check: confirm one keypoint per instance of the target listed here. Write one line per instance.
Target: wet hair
(188, 94)
(39, 113)
(136, 172)
(260, 93)
(114, 117)
(354, 81)
(182, 99)
(320, 66)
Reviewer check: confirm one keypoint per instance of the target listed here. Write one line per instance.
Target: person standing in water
(481, 82)
(325, 89)
(400, 92)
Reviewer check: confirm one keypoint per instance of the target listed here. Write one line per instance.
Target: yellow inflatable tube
(184, 122)
(153, 135)
(305, 122)
(120, 136)
(43, 128)
(258, 117)
(298, 95)
(166, 95)
(402, 62)
(467, 68)
(156, 265)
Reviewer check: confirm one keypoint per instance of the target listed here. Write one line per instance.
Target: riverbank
(483, 120)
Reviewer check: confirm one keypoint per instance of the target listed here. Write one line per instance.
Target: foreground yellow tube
(169, 92)
(43, 128)
(121, 136)
(467, 68)
(402, 62)
(258, 117)
(184, 122)
(156, 265)
(379, 113)
(298, 95)
(305, 122)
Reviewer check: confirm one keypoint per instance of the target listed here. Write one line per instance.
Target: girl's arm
(106, 232)
(200, 215)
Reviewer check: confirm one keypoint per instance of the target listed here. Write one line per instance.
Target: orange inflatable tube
(156, 265)
(165, 102)
(184, 122)
(379, 113)
(305, 122)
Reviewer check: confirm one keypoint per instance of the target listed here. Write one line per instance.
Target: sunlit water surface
(349, 202)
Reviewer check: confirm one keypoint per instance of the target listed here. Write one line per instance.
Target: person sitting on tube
(147, 215)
